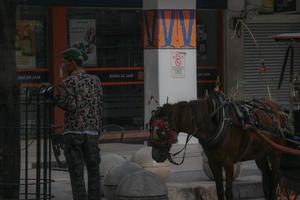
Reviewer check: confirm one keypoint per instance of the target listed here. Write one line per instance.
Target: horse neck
(182, 119)
(193, 118)
(205, 126)
(204, 121)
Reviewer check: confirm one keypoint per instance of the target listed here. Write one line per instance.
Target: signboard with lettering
(207, 74)
(32, 76)
(119, 77)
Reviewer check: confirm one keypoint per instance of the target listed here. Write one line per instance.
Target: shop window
(209, 49)
(117, 36)
(31, 37)
(112, 38)
(31, 58)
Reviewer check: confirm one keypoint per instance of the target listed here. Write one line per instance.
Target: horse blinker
(160, 133)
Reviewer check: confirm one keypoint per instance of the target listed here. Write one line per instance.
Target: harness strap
(240, 114)
(223, 123)
(248, 146)
(218, 108)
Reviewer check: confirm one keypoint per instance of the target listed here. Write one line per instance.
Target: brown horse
(229, 132)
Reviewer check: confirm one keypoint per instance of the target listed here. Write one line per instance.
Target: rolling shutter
(254, 83)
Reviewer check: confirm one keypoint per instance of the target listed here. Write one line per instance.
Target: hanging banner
(25, 43)
(82, 35)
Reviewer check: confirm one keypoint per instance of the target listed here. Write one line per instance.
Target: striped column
(169, 52)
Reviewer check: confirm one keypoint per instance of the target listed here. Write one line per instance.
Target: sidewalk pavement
(187, 181)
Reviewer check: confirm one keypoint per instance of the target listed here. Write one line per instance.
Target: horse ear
(206, 94)
(217, 85)
(153, 99)
(167, 100)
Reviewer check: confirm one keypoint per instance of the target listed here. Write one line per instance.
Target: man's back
(83, 103)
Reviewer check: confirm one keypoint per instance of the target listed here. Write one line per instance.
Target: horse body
(224, 137)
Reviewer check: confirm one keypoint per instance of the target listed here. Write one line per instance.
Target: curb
(206, 190)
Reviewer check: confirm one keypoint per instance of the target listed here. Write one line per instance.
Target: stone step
(251, 189)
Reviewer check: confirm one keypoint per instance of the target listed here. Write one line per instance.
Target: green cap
(74, 54)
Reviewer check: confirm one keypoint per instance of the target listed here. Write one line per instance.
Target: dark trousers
(83, 149)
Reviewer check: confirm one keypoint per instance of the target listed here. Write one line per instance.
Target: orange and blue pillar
(169, 52)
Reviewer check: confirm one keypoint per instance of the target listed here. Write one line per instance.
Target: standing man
(81, 98)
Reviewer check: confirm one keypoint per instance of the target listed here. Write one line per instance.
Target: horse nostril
(157, 155)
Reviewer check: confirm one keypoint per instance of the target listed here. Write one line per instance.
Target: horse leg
(216, 168)
(229, 172)
(275, 164)
(267, 178)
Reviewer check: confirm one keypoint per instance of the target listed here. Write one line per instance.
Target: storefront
(257, 84)
(111, 32)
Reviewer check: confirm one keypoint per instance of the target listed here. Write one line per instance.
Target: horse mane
(186, 116)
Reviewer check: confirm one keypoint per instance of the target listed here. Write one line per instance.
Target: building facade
(116, 33)
(114, 36)
(255, 44)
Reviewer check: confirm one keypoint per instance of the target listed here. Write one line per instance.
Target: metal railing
(35, 156)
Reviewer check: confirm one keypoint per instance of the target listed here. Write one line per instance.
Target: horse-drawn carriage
(289, 186)
(231, 131)
(290, 162)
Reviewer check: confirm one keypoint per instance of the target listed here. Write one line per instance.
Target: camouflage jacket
(82, 100)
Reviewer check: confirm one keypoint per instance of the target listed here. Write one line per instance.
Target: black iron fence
(35, 129)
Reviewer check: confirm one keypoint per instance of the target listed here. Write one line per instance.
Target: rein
(215, 138)
(278, 146)
(170, 155)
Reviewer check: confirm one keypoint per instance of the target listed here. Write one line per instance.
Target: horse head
(161, 135)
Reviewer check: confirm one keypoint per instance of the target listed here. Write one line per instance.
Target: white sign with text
(178, 64)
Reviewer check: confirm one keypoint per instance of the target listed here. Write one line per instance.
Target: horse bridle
(166, 137)
(161, 134)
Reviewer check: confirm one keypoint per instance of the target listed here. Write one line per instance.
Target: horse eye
(155, 136)
(163, 133)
